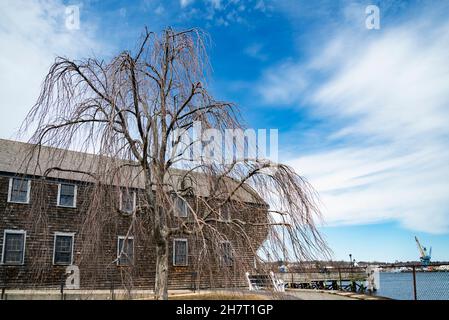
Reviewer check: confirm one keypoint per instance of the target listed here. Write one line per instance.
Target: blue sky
(361, 113)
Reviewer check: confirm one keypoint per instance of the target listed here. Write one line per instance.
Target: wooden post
(339, 275)
(415, 296)
(62, 288)
(112, 287)
(193, 281)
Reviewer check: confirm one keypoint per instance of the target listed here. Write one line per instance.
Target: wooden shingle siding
(38, 270)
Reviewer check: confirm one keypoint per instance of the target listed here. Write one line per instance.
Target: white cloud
(32, 34)
(391, 83)
(360, 185)
(390, 91)
(283, 85)
(159, 10)
(216, 3)
(185, 3)
(218, 12)
(260, 5)
(256, 51)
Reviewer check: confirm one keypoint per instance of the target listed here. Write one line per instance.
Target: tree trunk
(161, 284)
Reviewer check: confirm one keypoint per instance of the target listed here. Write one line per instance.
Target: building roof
(22, 158)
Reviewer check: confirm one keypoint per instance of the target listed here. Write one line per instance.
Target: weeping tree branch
(120, 115)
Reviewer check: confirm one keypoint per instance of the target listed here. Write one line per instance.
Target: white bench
(264, 282)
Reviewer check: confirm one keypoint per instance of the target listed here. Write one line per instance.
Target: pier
(355, 279)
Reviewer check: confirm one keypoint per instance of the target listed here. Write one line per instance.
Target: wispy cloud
(256, 51)
(185, 3)
(283, 84)
(221, 12)
(387, 96)
(159, 10)
(33, 34)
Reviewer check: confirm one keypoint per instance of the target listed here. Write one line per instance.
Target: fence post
(62, 287)
(112, 288)
(193, 281)
(415, 296)
(4, 279)
(339, 276)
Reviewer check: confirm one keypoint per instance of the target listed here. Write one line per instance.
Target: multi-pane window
(128, 201)
(226, 253)
(180, 250)
(13, 247)
(125, 251)
(67, 195)
(19, 190)
(181, 208)
(63, 249)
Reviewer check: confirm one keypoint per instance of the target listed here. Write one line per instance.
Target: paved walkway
(290, 294)
(304, 294)
(316, 295)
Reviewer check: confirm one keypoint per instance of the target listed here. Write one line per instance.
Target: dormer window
(127, 201)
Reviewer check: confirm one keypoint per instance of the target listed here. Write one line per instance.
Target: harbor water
(429, 285)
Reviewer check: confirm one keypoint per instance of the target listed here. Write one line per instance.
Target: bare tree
(127, 116)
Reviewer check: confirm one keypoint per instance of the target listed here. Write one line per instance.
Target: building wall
(96, 265)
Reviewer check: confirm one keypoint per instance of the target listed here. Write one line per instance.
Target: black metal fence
(414, 281)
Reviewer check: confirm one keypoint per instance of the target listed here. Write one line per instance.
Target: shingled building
(37, 249)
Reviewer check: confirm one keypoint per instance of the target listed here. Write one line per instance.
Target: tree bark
(161, 285)
(161, 240)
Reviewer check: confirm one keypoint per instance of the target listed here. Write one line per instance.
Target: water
(429, 285)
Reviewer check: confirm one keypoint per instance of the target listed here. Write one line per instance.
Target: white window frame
(12, 231)
(222, 260)
(63, 234)
(10, 190)
(179, 214)
(75, 193)
(134, 201)
(124, 238)
(187, 252)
